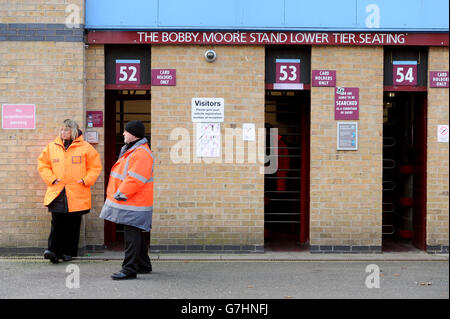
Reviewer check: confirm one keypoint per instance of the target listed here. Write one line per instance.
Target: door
(404, 170)
(286, 191)
(420, 176)
(122, 106)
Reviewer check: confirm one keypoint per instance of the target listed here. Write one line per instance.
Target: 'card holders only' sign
(439, 79)
(323, 78)
(164, 77)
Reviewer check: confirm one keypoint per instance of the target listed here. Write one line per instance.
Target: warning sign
(18, 116)
(442, 133)
(346, 103)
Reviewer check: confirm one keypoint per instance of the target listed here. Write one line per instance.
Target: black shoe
(66, 258)
(48, 254)
(122, 276)
(145, 270)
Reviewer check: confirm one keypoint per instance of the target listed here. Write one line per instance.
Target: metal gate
(286, 192)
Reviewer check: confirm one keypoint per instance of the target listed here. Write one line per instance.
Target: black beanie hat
(135, 128)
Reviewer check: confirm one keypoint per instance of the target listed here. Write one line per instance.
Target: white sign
(442, 133)
(248, 132)
(347, 136)
(91, 137)
(18, 116)
(209, 110)
(208, 140)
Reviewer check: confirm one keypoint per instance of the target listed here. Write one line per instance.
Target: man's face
(128, 137)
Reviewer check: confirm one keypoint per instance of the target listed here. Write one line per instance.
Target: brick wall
(346, 186)
(197, 205)
(49, 74)
(95, 101)
(437, 157)
(40, 11)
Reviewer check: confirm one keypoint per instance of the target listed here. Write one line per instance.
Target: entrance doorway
(122, 106)
(404, 171)
(286, 192)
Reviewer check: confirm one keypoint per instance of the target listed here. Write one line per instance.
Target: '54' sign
(404, 73)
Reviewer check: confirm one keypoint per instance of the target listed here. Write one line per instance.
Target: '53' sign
(287, 71)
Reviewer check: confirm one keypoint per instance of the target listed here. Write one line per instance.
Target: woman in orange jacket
(69, 166)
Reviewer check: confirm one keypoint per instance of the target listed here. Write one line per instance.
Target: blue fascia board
(267, 29)
(270, 15)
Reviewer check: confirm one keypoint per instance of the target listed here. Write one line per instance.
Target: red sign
(323, 78)
(346, 103)
(128, 72)
(287, 71)
(163, 77)
(94, 118)
(439, 79)
(287, 75)
(258, 38)
(18, 116)
(404, 73)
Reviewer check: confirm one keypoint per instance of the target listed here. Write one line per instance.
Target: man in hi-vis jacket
(129, 199)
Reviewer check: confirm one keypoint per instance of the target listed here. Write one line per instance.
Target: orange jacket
(79, 161)
(129, 196)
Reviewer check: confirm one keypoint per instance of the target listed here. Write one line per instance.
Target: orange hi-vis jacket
(129, 196)
(80, 161)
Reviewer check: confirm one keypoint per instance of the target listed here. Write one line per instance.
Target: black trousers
(65, 234)
(136, 251)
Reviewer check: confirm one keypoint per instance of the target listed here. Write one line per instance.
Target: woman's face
(66, 133)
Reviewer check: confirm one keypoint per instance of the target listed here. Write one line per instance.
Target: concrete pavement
(269, 275)
(414, 255)
(84, 278)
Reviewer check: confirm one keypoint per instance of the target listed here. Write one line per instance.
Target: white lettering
(179, 37)
(193, 309)
(148, 36)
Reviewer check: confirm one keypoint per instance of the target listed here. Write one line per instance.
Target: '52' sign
(287, 71)
(404, 73)
(128, 72)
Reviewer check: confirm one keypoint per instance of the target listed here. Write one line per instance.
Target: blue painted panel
(199, 13)
(406, 14)
(316, 15)
(119, 14)
(215, 14)
(261, 13)
(320, 14)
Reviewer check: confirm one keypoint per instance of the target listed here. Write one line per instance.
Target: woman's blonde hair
(73, 126)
